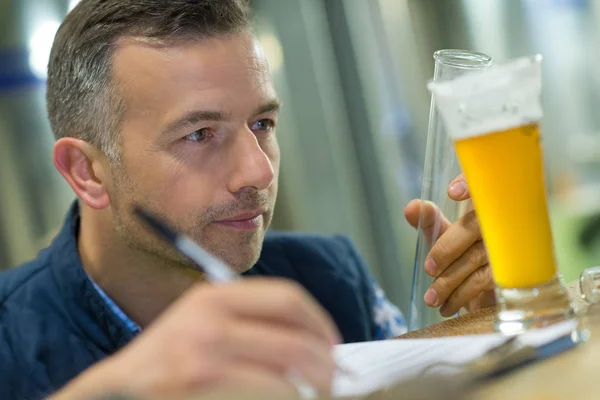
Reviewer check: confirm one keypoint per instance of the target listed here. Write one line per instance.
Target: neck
(140, 284)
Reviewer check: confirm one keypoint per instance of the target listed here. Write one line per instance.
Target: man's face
(199, 145)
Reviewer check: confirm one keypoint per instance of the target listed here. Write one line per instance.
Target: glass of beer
(493, 117)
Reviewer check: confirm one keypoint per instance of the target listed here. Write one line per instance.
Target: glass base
(522, 309)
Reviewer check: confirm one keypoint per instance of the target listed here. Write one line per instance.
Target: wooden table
(571, 375)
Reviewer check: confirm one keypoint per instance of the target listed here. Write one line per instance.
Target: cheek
(188, 189)
(173, 185)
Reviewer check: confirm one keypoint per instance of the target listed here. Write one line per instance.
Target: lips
(246, 221)
(243, 216)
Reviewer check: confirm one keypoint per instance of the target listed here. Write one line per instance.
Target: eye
(263, 125)
(200, 135)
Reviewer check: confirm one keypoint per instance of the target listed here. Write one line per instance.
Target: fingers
(282, 351)
(277, 301)
(458, 189)
(433, 222)
(479, 281)
(411, 212)
(452, 277)
(251, 334)
(458, 259)
(455, 241)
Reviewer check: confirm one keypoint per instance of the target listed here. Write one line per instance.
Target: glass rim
(462, 58)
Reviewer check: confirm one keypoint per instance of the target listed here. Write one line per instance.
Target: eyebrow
(271, 106)
(194, 117)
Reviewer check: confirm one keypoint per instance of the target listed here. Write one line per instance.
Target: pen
(528, 354)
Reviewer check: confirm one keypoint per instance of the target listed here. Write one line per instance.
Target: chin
(240, 255)
(242, 262)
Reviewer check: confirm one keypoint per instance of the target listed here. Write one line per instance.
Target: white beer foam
(498, 98)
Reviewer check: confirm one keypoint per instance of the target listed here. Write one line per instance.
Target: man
(169, 104)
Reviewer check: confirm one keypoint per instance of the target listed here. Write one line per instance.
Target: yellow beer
(505, 174)
(493, 119)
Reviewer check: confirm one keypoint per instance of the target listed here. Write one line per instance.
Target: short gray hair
(83, 101)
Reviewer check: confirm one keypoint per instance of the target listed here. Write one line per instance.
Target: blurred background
(352, 75)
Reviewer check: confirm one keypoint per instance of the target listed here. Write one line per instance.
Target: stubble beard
(240, 250)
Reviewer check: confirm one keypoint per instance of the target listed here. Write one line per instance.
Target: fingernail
(430, 266)
(458, 189)
(431, 297)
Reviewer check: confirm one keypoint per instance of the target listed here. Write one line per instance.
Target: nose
(252, 167)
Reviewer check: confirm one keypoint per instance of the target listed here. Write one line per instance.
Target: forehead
(217, 72)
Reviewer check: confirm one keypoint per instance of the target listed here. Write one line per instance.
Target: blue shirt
(54, 323)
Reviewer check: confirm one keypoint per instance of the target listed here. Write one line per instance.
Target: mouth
(244, 221)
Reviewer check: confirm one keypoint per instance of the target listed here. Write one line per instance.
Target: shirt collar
(129, 323)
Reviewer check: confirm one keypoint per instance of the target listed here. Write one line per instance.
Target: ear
(85, 170)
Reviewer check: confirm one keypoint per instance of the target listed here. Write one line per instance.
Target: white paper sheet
(377, 365)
